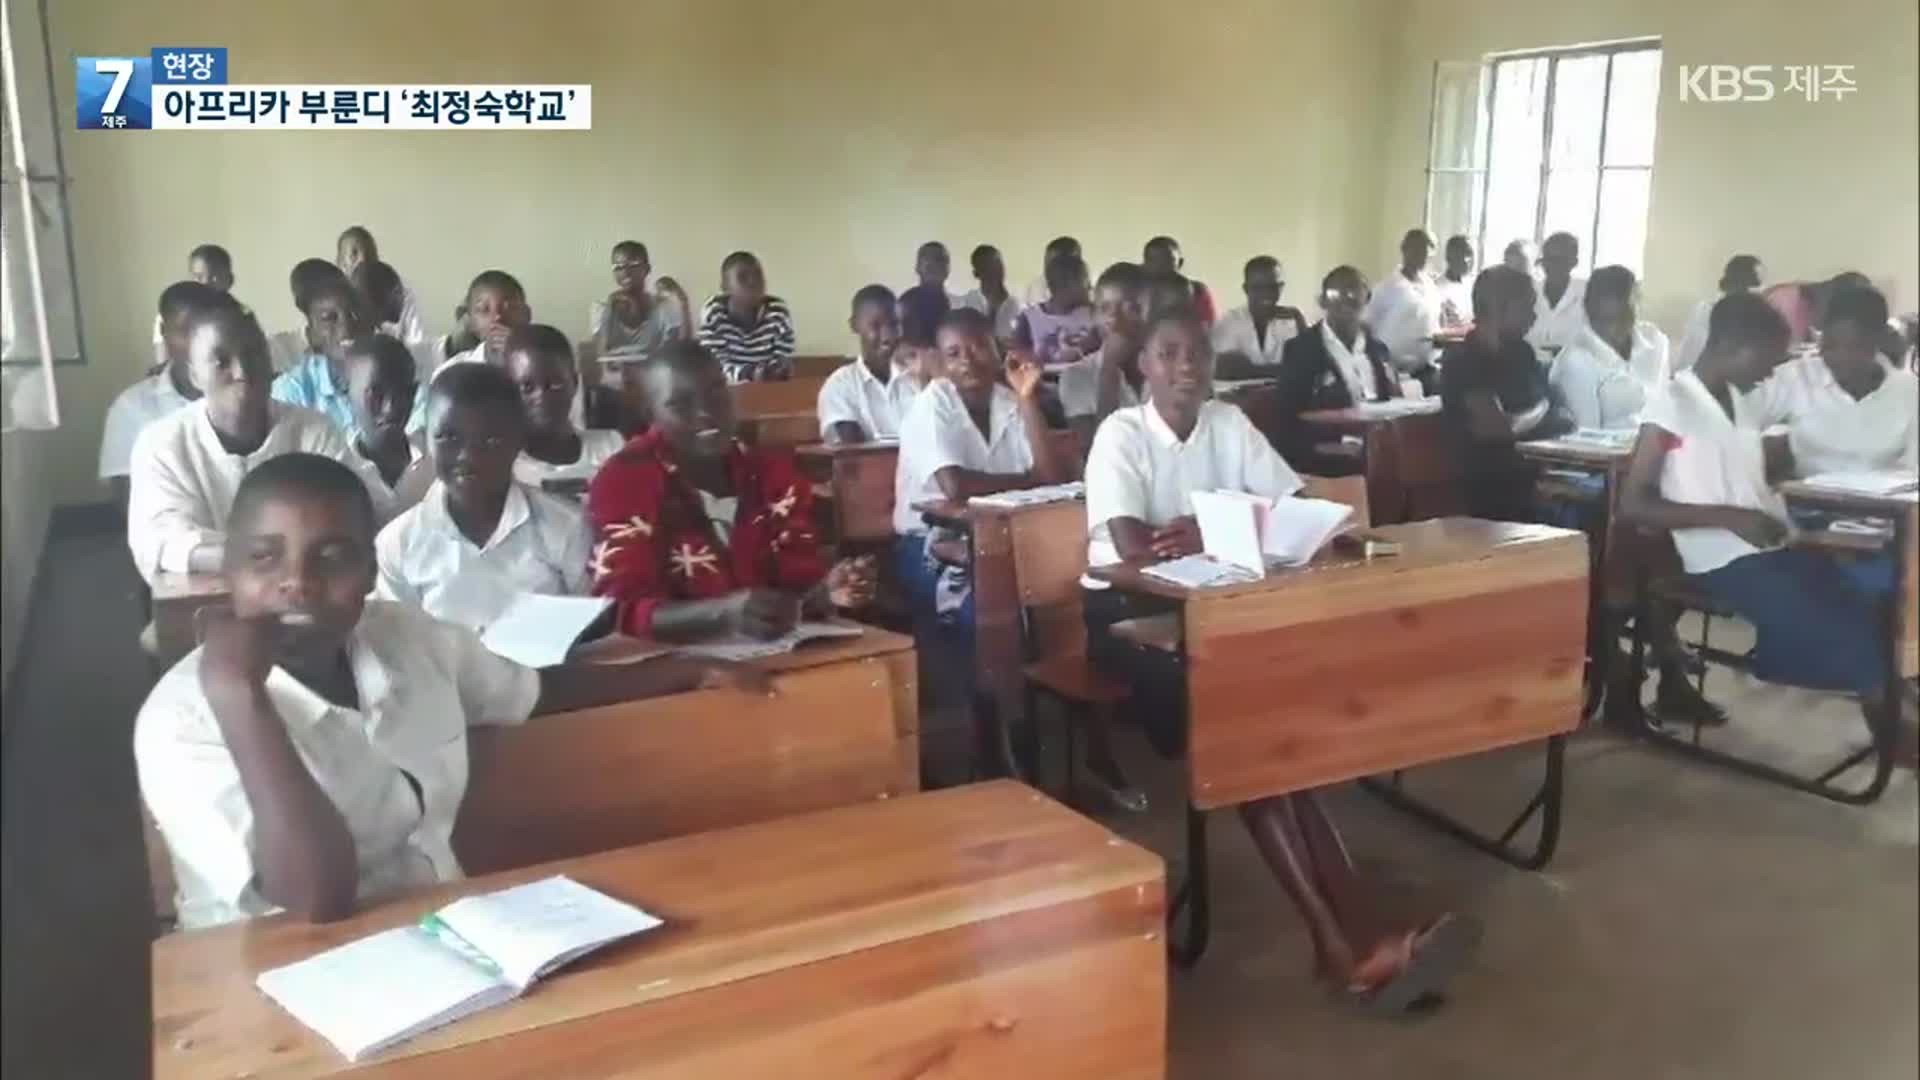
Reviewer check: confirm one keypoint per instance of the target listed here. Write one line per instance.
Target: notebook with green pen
(471, 955)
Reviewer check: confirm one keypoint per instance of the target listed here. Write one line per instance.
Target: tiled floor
(1694, 924)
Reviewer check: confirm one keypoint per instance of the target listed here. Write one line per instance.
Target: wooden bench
(978, 933)
(177, 600)
(843, 728)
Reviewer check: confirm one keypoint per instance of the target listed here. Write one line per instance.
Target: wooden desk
(1470, 640)
(1616, 551)
(177, 599)
(859, 478)
(1410, 462)
(1022, 557)
(981, 932)
(1904, 515)
(1259, 399)
(782, 413)
(843, 728)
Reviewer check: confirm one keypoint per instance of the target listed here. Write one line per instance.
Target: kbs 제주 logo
(182, 89)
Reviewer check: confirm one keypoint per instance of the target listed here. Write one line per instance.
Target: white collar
(866, 375)
(372, 682)
(517, 511)
(1603, 350)
(1701, 399)
(210, 439)
(1164, 436)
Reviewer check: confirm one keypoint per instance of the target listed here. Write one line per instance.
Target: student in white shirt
(1404, 313)
(479, 538)
(1146, 463)
(991, 297)
(209, 265)
(1699, 471)
(1743, 273)
(539, 360)
(308, 279)
(932, 266)
(382, 386)
(967, 434)
(1092, 388)
(496, 306)
(1846, 407)
(1456, 287)
(312, 754)
(387, 301)
(633, 322)
(1248, 340)
(356, 246)
(188, 464)
(868, 397)
(1605, 374)
(1558, 314)
(161, 392)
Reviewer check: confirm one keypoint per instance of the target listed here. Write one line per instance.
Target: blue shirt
(309, 383)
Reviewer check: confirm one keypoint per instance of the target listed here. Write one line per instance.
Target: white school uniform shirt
(540, 545)
(389, 500)
(1829, 430)
(1355, 369)
(1555, 325)
(853, 395)
(1234, 333)
(1004, 319)
(1456, 300)
(1079, 387)
(938, 433)
(182, 481)
(411, 329)
(577, 412)
(422, 683)
(138, 405)
(1715, 461)
(159, 343)
(1693, 336)
(1139, 468)
(1403, 315)
(1600, 387)
(286, 348)
(596, 446)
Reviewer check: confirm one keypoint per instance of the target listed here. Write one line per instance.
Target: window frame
(1482, 172)
(30, 181)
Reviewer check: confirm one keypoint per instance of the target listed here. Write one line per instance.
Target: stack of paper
(1051, 493)
(1603, 438)
(470, 955)
(740, 647)
(1198, 572)
(538, 630)
(1885, 483)
(1252, 532)
(1394, 407)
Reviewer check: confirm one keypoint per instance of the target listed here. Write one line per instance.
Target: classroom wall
(26, 498)
(831, 137)
(1812, 187)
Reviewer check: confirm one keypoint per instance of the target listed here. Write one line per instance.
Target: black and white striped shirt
(759, 351)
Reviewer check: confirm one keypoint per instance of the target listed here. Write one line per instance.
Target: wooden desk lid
(737, 903)
(1423, 544)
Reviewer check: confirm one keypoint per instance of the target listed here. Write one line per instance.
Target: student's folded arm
(304, 856)
(162, 530)
(626, 562)
(1486, 420)
(958, 485)
(842, 432)
(1132, 538)
(799, 563)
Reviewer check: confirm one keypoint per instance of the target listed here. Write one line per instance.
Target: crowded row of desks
(820, 908)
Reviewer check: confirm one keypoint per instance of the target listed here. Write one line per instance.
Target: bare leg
(1276, 832)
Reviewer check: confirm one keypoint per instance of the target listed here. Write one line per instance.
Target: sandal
(1429, 961)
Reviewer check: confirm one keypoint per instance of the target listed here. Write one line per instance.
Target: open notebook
(742, 647)
(471, 955)
(1034, 496)
(1242, 535)
(1885, 483)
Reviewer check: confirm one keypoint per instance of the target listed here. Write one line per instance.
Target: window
(39, 311)
(1529, 144)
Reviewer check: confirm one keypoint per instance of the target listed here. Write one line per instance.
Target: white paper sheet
(1230, 528)
(538, 630)
(745, 648)
(1296, 529)
(1885, 483)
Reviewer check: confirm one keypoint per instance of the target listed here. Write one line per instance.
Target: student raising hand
(850, 584)
(236, 653)
(1023, 372)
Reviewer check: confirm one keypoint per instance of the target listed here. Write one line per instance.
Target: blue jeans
(1817, 619)
(919, 574)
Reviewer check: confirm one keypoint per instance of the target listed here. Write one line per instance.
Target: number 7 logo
(122, 72)
(113, 93)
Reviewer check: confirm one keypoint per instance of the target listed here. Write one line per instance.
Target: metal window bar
(22, 176)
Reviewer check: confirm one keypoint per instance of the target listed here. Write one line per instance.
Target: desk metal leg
(1194, 896)
(1546, 802)
(1882, 730)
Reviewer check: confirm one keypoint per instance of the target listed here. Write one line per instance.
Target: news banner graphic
(186, 89)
